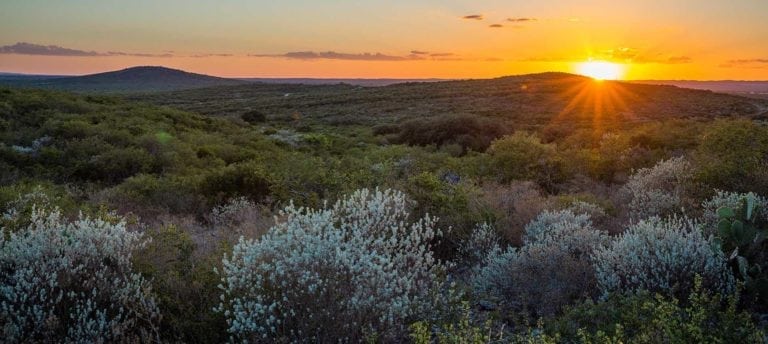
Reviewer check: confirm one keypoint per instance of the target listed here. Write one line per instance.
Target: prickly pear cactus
(741, 235)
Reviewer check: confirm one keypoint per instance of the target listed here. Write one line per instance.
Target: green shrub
(733, 155)
(704, 317)
(522, 156)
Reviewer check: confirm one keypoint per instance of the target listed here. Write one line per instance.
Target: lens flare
(600, 70)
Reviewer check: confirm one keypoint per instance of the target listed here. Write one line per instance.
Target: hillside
(129, 80)
(742, 87)
(519, 101)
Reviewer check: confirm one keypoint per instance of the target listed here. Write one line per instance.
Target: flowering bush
(658, 190)
(333, 274)
(72, 282)
(661, 256)
(552, 269)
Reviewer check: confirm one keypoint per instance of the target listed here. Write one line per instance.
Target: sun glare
(600, 70)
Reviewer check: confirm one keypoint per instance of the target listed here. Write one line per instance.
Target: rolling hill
(129, 80)
(754, 88)
(520, 101)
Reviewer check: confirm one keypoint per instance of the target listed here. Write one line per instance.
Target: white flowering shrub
(231, 212)
(552, 269)
(661, 256)
(334, 274)
(480, 243)
(17, 212)
(71, 282)
(732, 200)
(658, 190)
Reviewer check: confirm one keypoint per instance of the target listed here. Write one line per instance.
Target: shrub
(732, 156)
(514, 205)
(469, 131)
(657, 191)
(732, 200)
(522, 156)
(184, 281)
(74, 282)
(661, 256)
(253, 116)
(704, 317)
(334, 274)
(246, 180)
(551, 270)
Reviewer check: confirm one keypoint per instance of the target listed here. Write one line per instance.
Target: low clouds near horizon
(758, 63)
(414, 55)
(473, 17)
(24, 48)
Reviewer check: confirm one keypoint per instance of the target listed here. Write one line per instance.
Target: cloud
(520, 20)
(212, 55)
(332, 55)
(746, 63)
(679, 59)
(415, 55)
(495, 26)
(24, 48)
(473, 17)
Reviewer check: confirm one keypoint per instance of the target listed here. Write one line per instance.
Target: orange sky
(654, 39)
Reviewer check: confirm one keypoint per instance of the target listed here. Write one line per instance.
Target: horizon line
(364, 78)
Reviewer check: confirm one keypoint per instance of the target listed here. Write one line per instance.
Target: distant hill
(748, 88)
(129, 80)
(520, 101)
(333, 81)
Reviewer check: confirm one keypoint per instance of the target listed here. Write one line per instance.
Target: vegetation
(468, 211)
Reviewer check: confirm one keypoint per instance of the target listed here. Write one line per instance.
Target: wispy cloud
(24, 48)
(521, 20)
(332, 55)
(495, 26)
(211, 55)
(414, 55)
(619, 55)
(757, 63)
(473, 17)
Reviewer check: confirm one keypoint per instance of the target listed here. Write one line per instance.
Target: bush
(242, 180)
(661, 256)
(334, 274)
(184, 281)
(74, 282)
(732, 200)
(657, 191)
(732, 155)
(703, 317)
(471, 132)
(551, 270)
(522, 156)
(253, 116)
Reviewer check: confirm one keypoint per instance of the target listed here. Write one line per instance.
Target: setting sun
(601, 70)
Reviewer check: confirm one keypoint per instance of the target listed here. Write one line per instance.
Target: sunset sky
(654, 39)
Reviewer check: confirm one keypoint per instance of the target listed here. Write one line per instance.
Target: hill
(754, 88)
(129, 80)
(520, 101)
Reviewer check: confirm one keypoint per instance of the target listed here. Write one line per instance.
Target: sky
(650, 39)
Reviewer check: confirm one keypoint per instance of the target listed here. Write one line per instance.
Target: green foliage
(522, 156)
(732, 156)
(741, 234)
(644, 318)
(185, 284)
(469, 132)
(253, 116)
